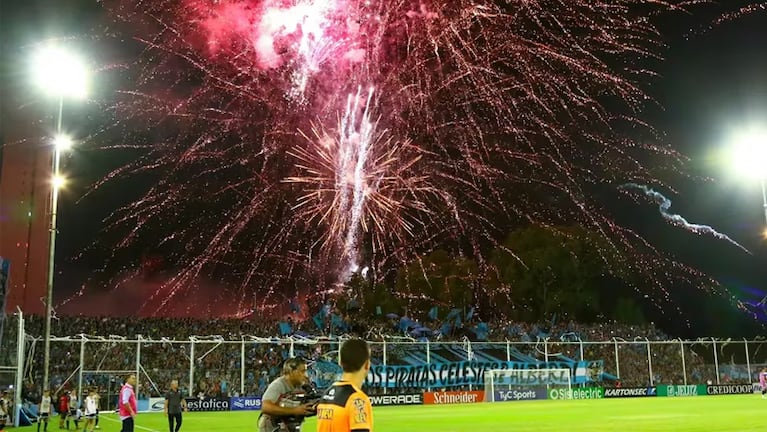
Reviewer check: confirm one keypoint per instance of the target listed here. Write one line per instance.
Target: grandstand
(237, 359)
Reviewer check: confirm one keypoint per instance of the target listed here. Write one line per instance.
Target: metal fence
(215, 366)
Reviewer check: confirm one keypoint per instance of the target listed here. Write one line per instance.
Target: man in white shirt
(73, 410)
(91, 407)
(44, 413)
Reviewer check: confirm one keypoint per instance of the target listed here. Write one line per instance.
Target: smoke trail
(664, 204)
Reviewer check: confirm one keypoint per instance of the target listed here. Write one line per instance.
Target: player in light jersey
(91, 406)
(763, 382)
(73, 410)
(4, 408)
(44, 413)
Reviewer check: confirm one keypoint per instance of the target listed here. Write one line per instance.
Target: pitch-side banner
(729, 389)
(453, 397)
(207, 404)
(469, 373)
(245, 403)
(397, 399)
(626, 392)
(682, 390)
(520, 395)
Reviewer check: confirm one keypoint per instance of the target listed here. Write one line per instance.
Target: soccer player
(127, 404)
(91, 406)
(44, 413)
(344, 407)
(4, 408)
(174, 402)
(73, 408)
(763, 382)
(293, 377)
(63, 408)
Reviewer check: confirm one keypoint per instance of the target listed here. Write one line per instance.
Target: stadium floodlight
(61, 73)
(62, 143)
(749, 157)
(58, 182)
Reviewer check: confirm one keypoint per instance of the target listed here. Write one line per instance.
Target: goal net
(521, 384)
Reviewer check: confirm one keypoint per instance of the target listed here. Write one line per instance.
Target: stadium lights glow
(62, 142)
(58, 181)
(749, 153)
(60, 73)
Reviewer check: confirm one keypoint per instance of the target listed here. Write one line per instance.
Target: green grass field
(711, 414)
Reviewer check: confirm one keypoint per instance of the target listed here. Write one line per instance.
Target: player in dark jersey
(345, 407)
(63, 408)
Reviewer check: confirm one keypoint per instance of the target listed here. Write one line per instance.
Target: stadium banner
(464, 373)
(682, 390)
(245, 403)
(520, 395)
(207, 404)
(397, 399)
(453, 397)
(156, 404)
(626, 392)
(729, 389)
(757, 388)
(577, 393)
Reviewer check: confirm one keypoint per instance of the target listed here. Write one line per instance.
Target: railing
(214, 365)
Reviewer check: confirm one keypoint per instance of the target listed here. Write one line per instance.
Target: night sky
(708, 85)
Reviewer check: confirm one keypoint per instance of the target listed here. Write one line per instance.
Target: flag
(378, 310)
(454, 313)
(336, 321)
(481, 331)
(405, 323)
(469, 314)
(433, 313)
(285, 328)
(294, 306)
(319, 320)
(446, 328)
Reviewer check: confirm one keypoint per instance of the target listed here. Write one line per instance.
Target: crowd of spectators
(165, 351)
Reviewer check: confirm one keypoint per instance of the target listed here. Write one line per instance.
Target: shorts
(127, 425)
(43, 415)
(90, 416)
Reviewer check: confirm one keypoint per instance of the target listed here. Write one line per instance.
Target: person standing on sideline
(174, 402)
(345, 407)
(45, 410)
(128, 406)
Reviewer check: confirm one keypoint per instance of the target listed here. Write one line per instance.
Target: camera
(307, 394)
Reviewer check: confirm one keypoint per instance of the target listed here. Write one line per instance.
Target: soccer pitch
(711, 414)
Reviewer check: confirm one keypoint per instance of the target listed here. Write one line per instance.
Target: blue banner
(245, 403)
(323, 373)
(465, 373)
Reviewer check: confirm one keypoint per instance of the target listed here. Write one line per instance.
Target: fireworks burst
(480, 116)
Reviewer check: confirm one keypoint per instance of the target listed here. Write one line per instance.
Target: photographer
(293, 377)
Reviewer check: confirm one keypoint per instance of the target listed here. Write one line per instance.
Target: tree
(547, 271)
(438, 278)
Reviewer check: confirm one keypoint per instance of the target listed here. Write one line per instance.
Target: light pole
(61, 74)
